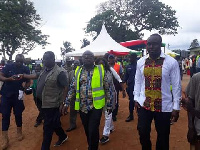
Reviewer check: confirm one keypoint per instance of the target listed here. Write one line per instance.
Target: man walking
(129, 78)
(192, 104)
(10, 97)
(90, 88)
(155, 72)
(51, 91)
(118, 86)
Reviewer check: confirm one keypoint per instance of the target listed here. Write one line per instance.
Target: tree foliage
(134, 16)
(19, 27)
(67, 47)
(117, 30)
(85, 43)
(194, 43)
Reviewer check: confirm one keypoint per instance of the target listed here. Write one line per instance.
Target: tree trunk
(10, 57)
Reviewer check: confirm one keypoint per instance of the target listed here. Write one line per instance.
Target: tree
(137, 16)
(85, 43)
(19, 27)
(118, 31)
(67, 48)
(194, 43)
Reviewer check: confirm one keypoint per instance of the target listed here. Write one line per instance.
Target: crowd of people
(91, 87)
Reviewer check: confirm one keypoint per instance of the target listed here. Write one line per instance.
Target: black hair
(51, 54)
(133, 55)
(106, 67)
(106, 55)
(20, 55)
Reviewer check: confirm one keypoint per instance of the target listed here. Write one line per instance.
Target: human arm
(137, 85)
(188, 101)
(70, 95)
(108, 91)
(175, 79)
(29, 76)
(4, 79)
(117, 77)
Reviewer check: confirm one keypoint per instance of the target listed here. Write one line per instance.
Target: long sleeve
(116, 76)
(107, 89)
(176, 85)
(137, 86)
(72, 93)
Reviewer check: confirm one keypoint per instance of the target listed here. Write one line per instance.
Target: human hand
(21, 76)
(17, 77)
(175, 116)
(186, 103)
(63, 109)
(137, 106)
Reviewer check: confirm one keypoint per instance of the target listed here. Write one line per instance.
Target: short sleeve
(62, 79)
(190, 89)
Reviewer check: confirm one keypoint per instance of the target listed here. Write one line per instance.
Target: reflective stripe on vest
(98, 92)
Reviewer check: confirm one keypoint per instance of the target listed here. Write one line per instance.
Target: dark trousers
(131, 100)
(40, 116)
(51, 124)
(91, 122)
(7, 103)
(73, 114)
(115, 111)
(162, 124)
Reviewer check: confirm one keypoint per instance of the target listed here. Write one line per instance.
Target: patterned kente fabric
(153, 79)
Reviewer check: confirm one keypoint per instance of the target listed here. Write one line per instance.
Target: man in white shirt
(155, 72)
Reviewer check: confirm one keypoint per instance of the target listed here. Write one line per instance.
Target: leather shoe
(70, 129)
(129, 119)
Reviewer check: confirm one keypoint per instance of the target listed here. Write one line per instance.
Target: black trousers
(130, 90)
(91, 122)
(40, 116)
(7, 103)
(51, 124)
(162, 124)
(73, 114)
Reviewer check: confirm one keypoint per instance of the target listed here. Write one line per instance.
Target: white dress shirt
(170, 76)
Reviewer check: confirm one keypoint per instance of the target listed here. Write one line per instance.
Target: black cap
(111, 56)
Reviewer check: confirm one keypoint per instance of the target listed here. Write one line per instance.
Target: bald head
(19, 60)
(88, 53)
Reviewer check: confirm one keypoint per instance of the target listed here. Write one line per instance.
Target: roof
(101, 45)
(198, 48)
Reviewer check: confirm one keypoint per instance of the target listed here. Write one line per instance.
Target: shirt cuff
(176, 105)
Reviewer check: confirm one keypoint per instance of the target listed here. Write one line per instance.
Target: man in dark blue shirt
(11, 97)
(129, 78)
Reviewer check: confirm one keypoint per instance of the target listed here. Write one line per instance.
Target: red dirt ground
(125, 136)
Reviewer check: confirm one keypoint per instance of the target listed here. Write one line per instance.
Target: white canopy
(101, 45)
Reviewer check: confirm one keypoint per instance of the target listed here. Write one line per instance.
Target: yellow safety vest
(98, 92)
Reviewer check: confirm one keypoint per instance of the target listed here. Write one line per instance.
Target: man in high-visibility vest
(92, 92)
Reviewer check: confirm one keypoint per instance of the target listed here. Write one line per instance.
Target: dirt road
(125, 136)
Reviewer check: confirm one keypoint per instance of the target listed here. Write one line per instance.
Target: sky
(64, 20)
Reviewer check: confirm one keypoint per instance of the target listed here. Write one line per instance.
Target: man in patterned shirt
(90, 88)
(154, 74)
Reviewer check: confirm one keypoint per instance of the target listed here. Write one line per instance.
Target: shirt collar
(163, 55)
